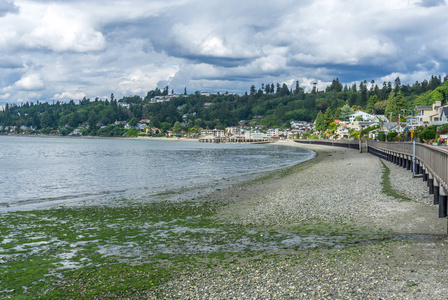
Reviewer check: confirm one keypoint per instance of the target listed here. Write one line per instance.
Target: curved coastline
(321, 229)
(338, 193)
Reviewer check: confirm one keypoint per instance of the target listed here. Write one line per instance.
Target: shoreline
(402, 248)
(103, 137)
(182, 193)
(319, 229)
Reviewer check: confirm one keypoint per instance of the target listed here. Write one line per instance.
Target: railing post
(436, 192)
(442, 203)
(413, 159)
(431, 184)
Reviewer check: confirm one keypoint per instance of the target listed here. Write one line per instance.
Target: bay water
(41, 172)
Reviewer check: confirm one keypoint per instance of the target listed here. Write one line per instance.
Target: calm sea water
(37, 172)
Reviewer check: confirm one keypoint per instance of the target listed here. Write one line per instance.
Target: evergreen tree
(346, 111)
(320, 123)
(371, 103)
(391, 107)
(92, 120)
(337, 114)
(297, 89)
(267, 89)
(252, 90)
(176, 127)
(397, 85)
(400, 103)
(328, 118)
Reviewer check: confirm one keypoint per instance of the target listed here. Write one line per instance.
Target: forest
(268, 105)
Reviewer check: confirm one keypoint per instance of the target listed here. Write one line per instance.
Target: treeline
(269, 105)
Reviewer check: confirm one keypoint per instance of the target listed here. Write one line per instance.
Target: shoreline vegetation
(322, 229)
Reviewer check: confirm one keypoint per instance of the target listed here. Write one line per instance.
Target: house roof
(423, 107)
(444, 111)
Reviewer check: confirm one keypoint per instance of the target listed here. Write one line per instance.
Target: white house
(213, 133)
(365, 117)
(272, 132)
(125, 105)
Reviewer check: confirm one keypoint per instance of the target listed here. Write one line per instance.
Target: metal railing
(435, 159)
(354, 144)
(429, 161)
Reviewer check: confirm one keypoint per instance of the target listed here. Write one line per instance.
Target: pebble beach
(401, 248)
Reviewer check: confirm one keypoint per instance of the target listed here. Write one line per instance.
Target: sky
(54, 50)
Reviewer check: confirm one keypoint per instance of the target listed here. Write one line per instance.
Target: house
(141, 126)
(360, 125)
(124, 105)
(427, 113)
(342, 131)
(364, 116)
(207, 104)
(391, 126)
(160, 99)
(382, 118)
(444, 115)
(232, 130)
(298, 124)
(295, 133)
(255, 135)
(412, 122)
(243, 123)
(213, 133)
(441, 117)
(273, 132)
(155, 130)
(77, 132)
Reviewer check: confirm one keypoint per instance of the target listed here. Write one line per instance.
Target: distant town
(394, 112)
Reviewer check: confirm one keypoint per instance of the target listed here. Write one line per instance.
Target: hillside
(270, 106)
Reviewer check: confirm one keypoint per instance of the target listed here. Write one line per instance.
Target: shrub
(429, 133)
(381, 136)
(391, 135)
(443, 129)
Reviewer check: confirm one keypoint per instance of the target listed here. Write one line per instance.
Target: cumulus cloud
(141, 80)
(61, 29)
(82, 49)
(67, 96)
(30, 82)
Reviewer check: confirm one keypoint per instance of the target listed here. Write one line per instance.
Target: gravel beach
(340, 193)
